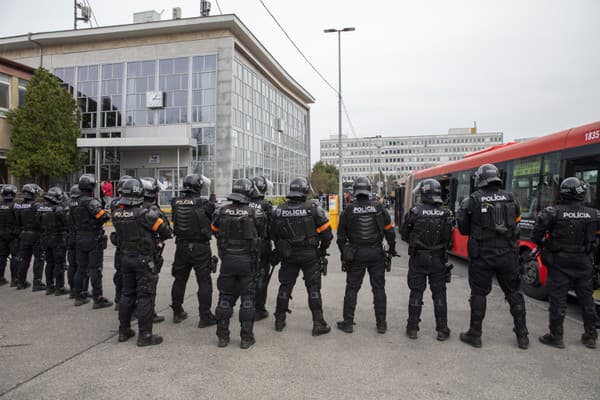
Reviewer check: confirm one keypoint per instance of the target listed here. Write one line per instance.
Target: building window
(22, 89)
(4, 94)
(140, 80)
(112, 95)
(87, 95)
(173, 75)
(204, 83)
(67, 78)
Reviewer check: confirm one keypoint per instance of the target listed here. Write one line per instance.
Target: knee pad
(314, 295)
(247, 310)
(439, 301)
(283, 295)
(224, 309)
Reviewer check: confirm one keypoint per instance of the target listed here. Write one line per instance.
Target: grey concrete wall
(224, 148)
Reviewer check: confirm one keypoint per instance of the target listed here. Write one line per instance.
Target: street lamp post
(339, 32)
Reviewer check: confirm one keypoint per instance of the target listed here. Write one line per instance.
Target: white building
(398, 155)
(168, 98)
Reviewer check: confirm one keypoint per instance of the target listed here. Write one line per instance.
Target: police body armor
(494, 219)
(82, 216)
(365, 223)
(49, 219)
(8, 220)
(573, 230)
(431, 230)
(266, 207)
(295, 227)
(72, 204)
(27, 217)
(134, 239)
(192, 223)
(237, 231)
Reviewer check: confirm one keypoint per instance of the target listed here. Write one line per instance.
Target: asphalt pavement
(50, 349)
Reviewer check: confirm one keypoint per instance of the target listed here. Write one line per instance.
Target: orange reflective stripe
(100, 213)
(388, 227)
(323, 227)
(157, 224)
(519, 218)
(214, 228)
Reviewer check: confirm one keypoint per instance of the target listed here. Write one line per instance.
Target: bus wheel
(530, 279)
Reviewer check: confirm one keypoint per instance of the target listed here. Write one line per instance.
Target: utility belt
(239, 247)
(286, 247)
(186, 242)
(192, 239)
(349, 251)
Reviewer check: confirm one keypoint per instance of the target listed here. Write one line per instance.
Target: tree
(44, 131)
(324, 177)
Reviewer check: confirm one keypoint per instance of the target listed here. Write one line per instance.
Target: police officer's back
(9, 235)
(29, 238)
(490, 217)
(192, 216)
(301, 233)
(427, 229)
(570, 228)
(363, 225)
(239, 229)
(139, 229)
(53, 221)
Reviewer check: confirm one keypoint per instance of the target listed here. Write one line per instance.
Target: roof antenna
(204, 8)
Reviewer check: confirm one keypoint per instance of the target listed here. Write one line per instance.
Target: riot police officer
(264, 266)
(363, 225)
(490, 217)
(571, 230)
(73, 202)
(239, 229)
(427, 229)
(138, 229)
(89, 221)
(29, 239)
(192, 216)
(9, 235)
(53, 220)
(301, 233)
(114, 239)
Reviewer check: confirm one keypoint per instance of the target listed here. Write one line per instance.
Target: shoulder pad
(414, 210)
(552, 211)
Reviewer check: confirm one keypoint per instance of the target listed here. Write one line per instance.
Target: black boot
(79, 301)
(320, 327)
(223, 341)
(49, 290)
(38, 286)
(13, 283)
(260, 314)
(470, 338)
(473, 335)
(178, 314)
(60, 291)
(443, 334)
(415, 305)
(148, 339)
(552, 340)
(23, 285)
(126, 334)
(207, 320)
(589, 340)
(157, 319)
(279, 322)
(381, 326)
(247, 342)
(411, 332)
(345, 326)
(101, 302)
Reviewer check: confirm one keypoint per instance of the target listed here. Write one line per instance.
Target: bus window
(591, 178)
(550, 182)
(522, 179)
(463, 187)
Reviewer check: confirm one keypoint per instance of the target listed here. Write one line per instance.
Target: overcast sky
(523, 67)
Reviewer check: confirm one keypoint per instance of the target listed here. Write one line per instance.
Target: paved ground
(52, 350)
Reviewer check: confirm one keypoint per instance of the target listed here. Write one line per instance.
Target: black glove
(275, 258)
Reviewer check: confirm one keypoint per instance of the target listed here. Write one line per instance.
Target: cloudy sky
(523, 67)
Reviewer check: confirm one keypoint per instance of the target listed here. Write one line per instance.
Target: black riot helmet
(486, 174)
(122, 181)
(243, 190)
(299, 188)
(8, 192)
(29, 191)
(573, 189)
(151, 188)
(75, 192)
(431, 191)
(54, 195)
(362, 186)
(193, 183)
(263, 185)
(87, 183)
(132, 192)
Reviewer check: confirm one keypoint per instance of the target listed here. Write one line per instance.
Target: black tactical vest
(237, 230)
(294, 223)
(134, 239)
(8, 220)
(494, 216)
(27, 217)
(191, 221)
(49, 219)
(365, 223)
(82, 216)
(574, 230)
(432, 228)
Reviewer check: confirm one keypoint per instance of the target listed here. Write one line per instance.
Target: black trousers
(118, 275)
(426, 265)
(354, 278)
(29, 245)
(308, 263)
(55, 248)
(566, 271)
(236, 279)
(139, 289)
(9, 245)
(89, 253)
(196, 256)
(504, 263)
(262, 280)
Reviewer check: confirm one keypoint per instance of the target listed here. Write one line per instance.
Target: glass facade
(270, 133)
(112, 95)
(87, 95)
(4, 94)
(173, 80)
(141, 78)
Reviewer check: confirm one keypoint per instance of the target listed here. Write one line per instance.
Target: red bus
(532, 171)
